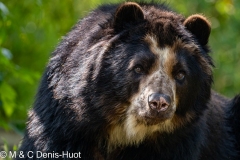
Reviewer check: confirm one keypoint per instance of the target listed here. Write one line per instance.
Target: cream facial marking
(133, 130)
(166, 59)
(154, 47)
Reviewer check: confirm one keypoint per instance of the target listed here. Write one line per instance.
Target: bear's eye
(139, 69)
(180, 76)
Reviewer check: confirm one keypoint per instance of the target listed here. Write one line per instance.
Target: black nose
(159, 102)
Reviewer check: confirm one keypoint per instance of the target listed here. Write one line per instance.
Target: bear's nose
(159, 102)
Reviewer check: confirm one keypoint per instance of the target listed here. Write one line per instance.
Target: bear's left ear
(127, 14)
(199, 26)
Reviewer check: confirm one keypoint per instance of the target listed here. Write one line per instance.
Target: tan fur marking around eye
(153, 44)
(154, 48)
(170, 62)
(166, 56)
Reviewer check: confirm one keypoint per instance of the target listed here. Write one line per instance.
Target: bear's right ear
(127, 14)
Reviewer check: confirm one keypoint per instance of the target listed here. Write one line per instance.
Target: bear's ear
(199, 26)
(127, 14)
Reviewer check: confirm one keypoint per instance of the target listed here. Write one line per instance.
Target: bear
(132, 81)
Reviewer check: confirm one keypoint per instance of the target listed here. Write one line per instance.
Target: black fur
(234, 116)
(88, 81)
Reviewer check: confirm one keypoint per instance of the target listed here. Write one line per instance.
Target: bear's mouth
(141, 122)
(153, 117)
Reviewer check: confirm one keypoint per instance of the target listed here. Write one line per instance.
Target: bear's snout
(159, 102)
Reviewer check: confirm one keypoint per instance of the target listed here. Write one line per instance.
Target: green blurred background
(31, 29)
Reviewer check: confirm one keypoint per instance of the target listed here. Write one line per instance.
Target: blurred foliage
(6, 147)
(30, 30)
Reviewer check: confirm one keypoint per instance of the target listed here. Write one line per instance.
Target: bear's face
(143, 71)
(163, 71)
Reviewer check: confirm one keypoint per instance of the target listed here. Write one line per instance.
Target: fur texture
(94, 94)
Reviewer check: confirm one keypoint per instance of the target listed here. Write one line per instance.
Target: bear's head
(146, 71)
(159, 68)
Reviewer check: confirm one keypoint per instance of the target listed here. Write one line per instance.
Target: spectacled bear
(132, 81)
